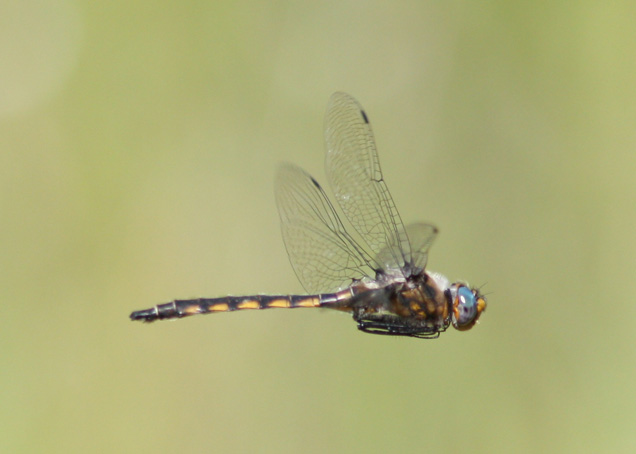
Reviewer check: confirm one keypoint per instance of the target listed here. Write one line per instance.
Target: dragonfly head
(467, 306)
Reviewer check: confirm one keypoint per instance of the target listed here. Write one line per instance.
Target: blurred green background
(138, 145)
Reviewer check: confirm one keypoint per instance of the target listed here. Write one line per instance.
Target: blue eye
(465, 308)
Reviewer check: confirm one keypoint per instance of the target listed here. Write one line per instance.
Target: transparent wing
(421, 237)
(323, 255)
(354, 173)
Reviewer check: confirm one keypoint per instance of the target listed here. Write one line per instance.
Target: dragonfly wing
(421, 237)
(323, 255)
(354, 173)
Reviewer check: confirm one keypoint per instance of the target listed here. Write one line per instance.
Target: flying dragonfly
(375, 270)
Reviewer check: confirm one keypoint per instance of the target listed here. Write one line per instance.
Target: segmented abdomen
(185, 308)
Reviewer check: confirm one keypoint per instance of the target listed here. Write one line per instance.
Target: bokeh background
(138, 145)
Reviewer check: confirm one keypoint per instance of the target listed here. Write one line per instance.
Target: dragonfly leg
(393, 329)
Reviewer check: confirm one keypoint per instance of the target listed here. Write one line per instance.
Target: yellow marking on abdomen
(192, 310)
(280, 303)
(249, 304)
(219, 307)
(309, 302)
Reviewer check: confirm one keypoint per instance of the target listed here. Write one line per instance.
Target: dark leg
(392, 329)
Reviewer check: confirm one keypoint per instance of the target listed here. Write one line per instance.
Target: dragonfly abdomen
(185, 308)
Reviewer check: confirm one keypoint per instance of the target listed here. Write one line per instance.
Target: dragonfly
(372, 267)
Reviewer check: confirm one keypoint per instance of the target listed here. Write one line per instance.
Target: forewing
(354, 173)
(323, 255)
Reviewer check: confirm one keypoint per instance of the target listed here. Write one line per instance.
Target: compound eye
(464, 308)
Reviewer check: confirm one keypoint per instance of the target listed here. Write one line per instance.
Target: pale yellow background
(138, 145)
